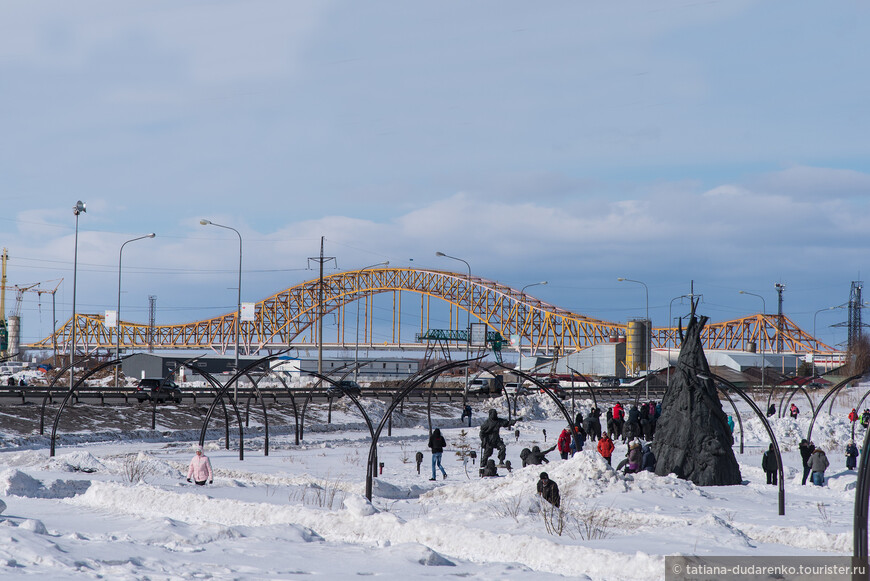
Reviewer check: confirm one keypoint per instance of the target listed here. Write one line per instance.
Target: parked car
(609, 381)
(158, 389)
(342, 387)
(515, 388)
(553, 384)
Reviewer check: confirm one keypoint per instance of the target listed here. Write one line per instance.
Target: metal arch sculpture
(47, 395)
(217, 386)
(70, 393)
(588, 385)
(411, 383)
(224, 391)
(355, 401)
(283, 317)
(828, 396)
(555, 399)
(862, 497)
(791, 395)
(770, 433)
(836, 389)
(292, 403)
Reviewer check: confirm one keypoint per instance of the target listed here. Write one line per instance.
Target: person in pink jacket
(200, 468)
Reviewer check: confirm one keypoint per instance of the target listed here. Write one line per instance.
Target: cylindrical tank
(14, 327)
(637, 345)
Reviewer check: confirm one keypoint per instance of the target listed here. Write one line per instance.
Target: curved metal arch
(216, 385)
(790, 395)
(47, 395)
(410, 384)
(588, 385)
(555, 399)
(828, 396)
(770, 433)
(70, 393)
(292, 403)
(224, 391)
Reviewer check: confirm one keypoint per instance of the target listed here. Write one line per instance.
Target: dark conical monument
(692, 437)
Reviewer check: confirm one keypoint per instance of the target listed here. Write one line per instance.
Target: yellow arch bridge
(289, 318)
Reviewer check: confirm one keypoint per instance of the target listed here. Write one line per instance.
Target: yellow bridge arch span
(290, 316)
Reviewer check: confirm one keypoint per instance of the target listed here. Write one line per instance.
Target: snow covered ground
(113, 503)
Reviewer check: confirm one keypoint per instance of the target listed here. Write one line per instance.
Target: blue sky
(664, 141)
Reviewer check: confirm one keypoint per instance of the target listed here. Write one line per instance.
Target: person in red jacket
(853, 415)
(564, 443)
(605, 447)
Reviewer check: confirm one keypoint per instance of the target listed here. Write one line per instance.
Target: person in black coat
(548, 490)
(806, 449)
(437, 443)
(768, 463)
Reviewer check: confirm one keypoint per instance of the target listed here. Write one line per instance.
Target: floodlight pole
(356, 344)
(79, 208)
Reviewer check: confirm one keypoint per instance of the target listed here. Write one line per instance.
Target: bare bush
(136, 469)
(593, 522)
(507, 506)
(322, 494)
(556, 519)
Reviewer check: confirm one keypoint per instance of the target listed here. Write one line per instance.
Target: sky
(678, 143)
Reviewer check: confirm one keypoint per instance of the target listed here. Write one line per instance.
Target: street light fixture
(238, 321)
(467, 324)
(356, 349)
(79, 208)
(763, 339)
(814, 334)
(520, 344)
(118, 312)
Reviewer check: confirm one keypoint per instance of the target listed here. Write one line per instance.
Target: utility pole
(152, 309)
(321, 260)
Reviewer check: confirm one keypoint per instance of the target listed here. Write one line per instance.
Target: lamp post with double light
(118, 312)
(79, 208)
(238, 321)
(467, 323)
(356, 348)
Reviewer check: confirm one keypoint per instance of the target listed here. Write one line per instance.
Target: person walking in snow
(853, 415)
(806, 449)
(605, 447)
(794, 411)
(851, 455)
(548, 490)
(437, 443)
(865, 418)
(731, 424)
(200, 468)
(769, 465)
(818, 464)
(419, 458)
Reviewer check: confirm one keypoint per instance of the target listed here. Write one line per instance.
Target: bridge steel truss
(288, 319)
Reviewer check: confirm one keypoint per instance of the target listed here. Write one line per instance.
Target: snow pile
(13, 482)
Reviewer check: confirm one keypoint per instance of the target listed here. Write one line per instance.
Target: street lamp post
(467, 325)
(647, 328)
(238, 321)
(79, 208)
(356, 345)
(118, 312)
(520, 343)
(763, 339)
(814, 335)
